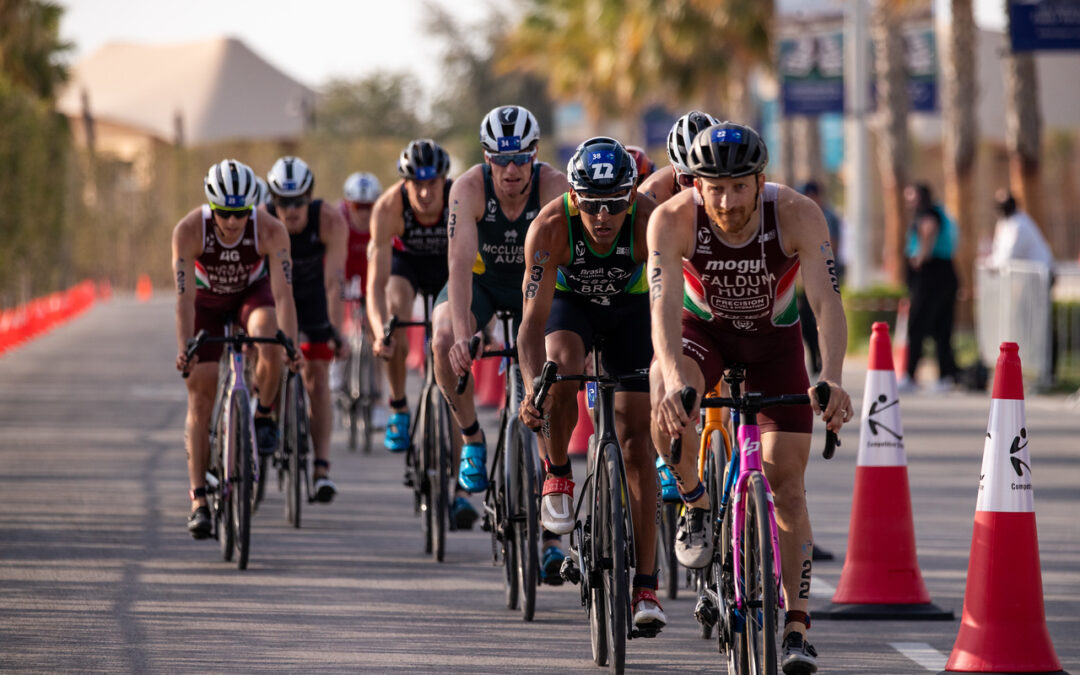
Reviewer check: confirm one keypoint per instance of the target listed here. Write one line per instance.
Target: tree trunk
(892, 131)
(958, 101)
(1023, 130)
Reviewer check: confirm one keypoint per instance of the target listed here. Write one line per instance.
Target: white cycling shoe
(557, 506)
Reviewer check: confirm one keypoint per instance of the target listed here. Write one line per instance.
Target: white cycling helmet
(263, 195)
(363, 188)
(682, 135)
(290, 177)
(509, 128)
(231, 184)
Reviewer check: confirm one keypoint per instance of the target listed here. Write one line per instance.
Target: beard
(729, 220)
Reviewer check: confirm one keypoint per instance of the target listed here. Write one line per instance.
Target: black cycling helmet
(728, 150)
(601, 166)
(423, 159)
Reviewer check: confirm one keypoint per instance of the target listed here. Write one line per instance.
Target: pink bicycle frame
(749, 441)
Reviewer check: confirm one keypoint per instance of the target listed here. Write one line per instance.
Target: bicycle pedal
(646, 631)
(569, 571)
(705, 612)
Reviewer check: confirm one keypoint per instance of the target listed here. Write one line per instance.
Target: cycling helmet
(601, 166)
(263, 195)
(728, 150)
(682, 135)
(645, 166)
(231, 185)
(290, 177)
(423, 159)
(363, 188)
(509, 128)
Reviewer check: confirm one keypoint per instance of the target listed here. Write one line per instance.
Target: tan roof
(222, 89)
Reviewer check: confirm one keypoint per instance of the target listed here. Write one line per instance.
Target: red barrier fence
(37, 317)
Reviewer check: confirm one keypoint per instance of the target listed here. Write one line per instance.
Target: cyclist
(227, 261)
(586, 280)
(491, 206)
(742, 241)
(665, 183)
(360, 190)
(319, 240)
(645, 166)
(408, 255)
(262, 195)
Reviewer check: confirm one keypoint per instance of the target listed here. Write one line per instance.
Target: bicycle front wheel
(593, 550)
(527, 522)
(292, 445)
(244, 486)
(757, 642)
(441, 448)
(614, 538)
(669, 518)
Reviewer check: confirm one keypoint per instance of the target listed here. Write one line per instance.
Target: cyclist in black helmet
(722, 266)
(586, 281)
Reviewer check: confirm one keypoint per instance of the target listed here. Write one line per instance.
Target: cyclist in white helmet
(319, 239)
(665, 183)
(228, 260)
(491, 207)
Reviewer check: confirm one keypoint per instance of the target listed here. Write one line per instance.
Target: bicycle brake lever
(687, 396)
(832, 441)
(463, 380)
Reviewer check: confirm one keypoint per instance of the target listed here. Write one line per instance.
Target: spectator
(932, 286)
(806, 315)
(1016, 236)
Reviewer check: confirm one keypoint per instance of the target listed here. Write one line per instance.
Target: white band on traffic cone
(1005, 480)
(881, 434)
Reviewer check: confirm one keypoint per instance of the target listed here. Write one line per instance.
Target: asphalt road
(98, 573)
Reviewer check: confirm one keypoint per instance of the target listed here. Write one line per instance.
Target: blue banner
(1036, 25)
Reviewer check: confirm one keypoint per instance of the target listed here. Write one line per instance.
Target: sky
(324, 39)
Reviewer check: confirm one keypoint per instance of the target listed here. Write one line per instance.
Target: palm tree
(892, 130)
(958, 99)
(1023, 128)
(618, 56)
(30, 46)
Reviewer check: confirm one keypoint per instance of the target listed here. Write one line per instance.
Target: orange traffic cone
(491, 385)
(144, 290)
(579, 440)
(900, 350)
(881, 577)
(1003, 628)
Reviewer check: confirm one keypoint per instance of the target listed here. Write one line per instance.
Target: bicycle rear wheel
(244, 485)
(222, 510)
(757, 641)
(527, 522)
(425, 472)
(614, 537)
(669, 518)
(441, 447)
(369, 394)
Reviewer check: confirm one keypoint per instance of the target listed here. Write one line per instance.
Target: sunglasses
(594, 205)
(516, 158)
(684, 179)
(362, 205)
(290, 202)
(239, 214)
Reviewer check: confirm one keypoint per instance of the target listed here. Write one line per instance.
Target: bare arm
(806, 234)
(670, 239)
(384, 227)
(274, 243)
(546, 247)
(334, 233)
(186, 246)
(928, 228)
(466, 209)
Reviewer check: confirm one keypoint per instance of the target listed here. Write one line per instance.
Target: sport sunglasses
(287, 202)
(518, 158)
(239, 214)
(684, 179)
(594, 205)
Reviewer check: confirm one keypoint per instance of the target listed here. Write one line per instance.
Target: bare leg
(684, 467)
(632, 428)
(785, 456)
(201, 387)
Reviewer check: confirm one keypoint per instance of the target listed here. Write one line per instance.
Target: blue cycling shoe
(463, 514)
(397, 432)
(472, 474)
(550, 564)
(668, 488)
